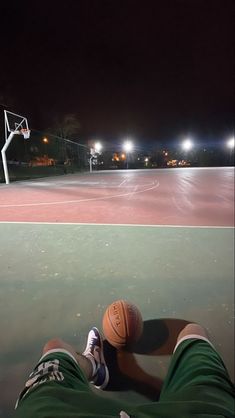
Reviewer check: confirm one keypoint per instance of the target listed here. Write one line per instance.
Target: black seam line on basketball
(133, 323)
(126, 321)
(136, 324)
(115, 330)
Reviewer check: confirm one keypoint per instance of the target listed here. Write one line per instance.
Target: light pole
(128, 147)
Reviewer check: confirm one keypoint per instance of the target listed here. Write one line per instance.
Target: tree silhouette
(66, 127)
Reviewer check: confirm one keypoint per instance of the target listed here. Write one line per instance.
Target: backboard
(14, 123)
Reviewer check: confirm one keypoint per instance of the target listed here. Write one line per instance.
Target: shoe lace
(93, 344)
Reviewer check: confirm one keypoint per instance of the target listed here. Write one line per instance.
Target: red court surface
(185, 197)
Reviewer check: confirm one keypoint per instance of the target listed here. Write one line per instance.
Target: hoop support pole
(91, 158)
(4, 160)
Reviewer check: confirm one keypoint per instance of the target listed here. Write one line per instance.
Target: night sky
(154, 70)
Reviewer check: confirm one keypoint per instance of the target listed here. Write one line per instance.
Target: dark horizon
(155, 72)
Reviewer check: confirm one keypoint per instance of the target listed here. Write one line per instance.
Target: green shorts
(197, 385)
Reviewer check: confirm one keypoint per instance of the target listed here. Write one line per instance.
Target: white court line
(94, 199)
(124, 181)
(132, 194)
(125, 225)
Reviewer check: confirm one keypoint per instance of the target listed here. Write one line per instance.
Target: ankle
(93, 365)
(86, 365)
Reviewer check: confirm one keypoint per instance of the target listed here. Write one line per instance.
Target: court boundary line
(123, 225)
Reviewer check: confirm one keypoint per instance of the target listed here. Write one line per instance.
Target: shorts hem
(58, 350)
(192, 337)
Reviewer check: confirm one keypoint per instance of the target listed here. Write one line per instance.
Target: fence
(43, 155)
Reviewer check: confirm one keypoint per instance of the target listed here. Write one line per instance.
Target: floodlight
(187, 145)
(128, 146)
(230, 143)
(98, 147)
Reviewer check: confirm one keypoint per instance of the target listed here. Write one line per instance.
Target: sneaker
(94, 352)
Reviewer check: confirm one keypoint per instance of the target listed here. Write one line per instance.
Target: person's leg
(192, 329)
(91, 362)
(58, 364)
(58, 385)
(56, 344)
(197, 372)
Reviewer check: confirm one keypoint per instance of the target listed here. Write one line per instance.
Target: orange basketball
(122, 324)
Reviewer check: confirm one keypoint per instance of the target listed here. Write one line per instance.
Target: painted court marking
(121, 184)
(65, 202)
(123, 225)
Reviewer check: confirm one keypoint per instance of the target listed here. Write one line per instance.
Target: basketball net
(25, 133)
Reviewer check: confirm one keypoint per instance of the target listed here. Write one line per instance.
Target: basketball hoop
(14, 125)
(25, 133)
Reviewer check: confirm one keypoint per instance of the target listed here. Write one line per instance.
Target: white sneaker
(94, 352)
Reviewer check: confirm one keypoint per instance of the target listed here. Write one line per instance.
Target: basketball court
(71, 245)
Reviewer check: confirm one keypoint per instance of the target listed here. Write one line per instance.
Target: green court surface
(57, 280)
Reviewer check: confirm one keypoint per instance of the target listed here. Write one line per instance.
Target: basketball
(122, 324)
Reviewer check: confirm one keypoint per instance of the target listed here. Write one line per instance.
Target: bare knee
(58, 344)
(53, 344)
(193, 329)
